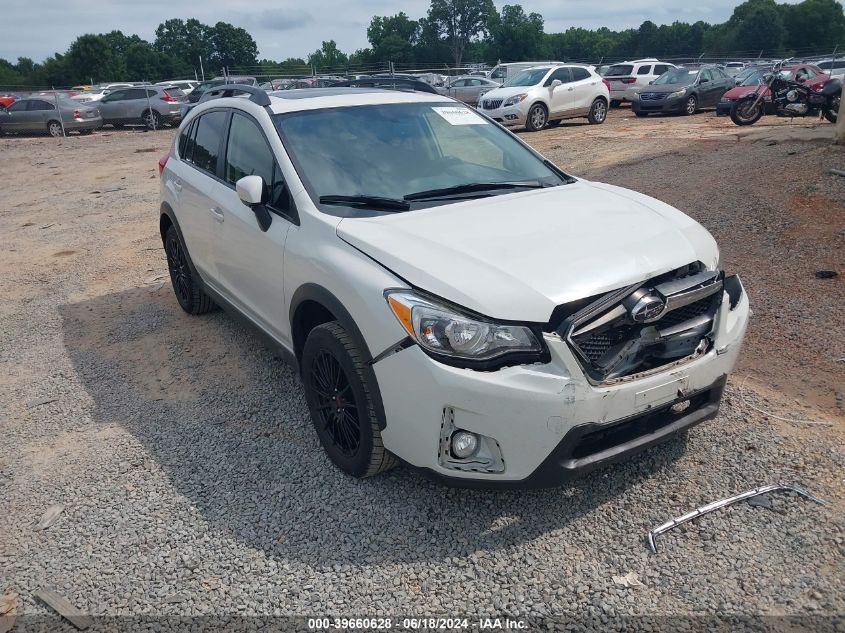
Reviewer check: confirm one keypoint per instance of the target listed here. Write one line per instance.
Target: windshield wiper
(475, 186)
(373, 202)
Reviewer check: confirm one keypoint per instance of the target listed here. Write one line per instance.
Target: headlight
(514, 100)
(677, 94)
(446, 332)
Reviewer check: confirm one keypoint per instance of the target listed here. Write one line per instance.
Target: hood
(504, 93)
(661, 88)
(517, 256)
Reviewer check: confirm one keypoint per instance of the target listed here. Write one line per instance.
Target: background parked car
(732, 69)
(833, 67)
(502, 72)
(151, 105)
(467, 88)
(40, 115)
(685, 90)
(7, 99)
(196, 94)
(813, 77)
(628, 76)
(548, 94)
(185, 85)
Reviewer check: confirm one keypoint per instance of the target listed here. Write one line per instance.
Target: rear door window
(38, 104)
(659, 69)
(207, 139)
(644, 70)
(579, 73)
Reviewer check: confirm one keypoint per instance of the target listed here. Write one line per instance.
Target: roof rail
(256, 95)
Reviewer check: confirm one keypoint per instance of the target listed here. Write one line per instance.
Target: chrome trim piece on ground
(716, 505)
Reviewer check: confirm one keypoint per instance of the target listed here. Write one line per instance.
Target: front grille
(491, 104)
(621, 346)
(652, 96)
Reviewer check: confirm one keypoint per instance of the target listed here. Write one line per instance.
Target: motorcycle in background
(790, 98)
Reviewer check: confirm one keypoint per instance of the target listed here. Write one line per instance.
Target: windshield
(530, 77)
(619, 70)
(394, 150)
(678, 76)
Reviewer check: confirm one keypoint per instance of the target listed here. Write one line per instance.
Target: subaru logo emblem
(648, 308)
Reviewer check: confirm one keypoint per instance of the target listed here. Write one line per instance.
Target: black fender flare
(324, 297)
(167, 212)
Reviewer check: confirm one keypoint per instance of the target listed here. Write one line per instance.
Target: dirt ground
(87, 301)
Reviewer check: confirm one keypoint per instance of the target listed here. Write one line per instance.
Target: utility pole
(202, 72)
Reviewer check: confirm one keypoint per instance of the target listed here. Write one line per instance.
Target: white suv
(548, 94)
(627, 77)
(449, 297)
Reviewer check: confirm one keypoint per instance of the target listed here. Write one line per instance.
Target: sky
(285, 28)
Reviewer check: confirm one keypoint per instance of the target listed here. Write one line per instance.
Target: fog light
(464, 444)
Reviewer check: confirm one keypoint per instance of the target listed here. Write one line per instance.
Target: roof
(317, 98)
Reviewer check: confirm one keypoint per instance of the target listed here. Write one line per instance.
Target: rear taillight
(169, 98)
(606, 83)
(162, 163)
(77, 114)
(628, 80)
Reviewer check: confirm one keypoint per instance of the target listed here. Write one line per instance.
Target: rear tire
(54, 129)
(152, 120)
(191, 297)
(537, 119)
(339, 398)
(742, 112)
(598, 112)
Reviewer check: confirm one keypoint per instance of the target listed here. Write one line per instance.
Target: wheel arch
(312, 305)
(167, 218)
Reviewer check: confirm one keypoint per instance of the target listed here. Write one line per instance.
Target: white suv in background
(449, 296)
(627, 77)
(548, 94)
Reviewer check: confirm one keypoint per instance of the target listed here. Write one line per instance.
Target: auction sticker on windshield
(460, 116)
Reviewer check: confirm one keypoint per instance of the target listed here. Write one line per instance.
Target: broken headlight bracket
(722, 503)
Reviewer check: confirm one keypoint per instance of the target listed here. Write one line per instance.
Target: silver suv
(151, 105)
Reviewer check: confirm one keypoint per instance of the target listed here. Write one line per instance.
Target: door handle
(570, 89)
(217, 212)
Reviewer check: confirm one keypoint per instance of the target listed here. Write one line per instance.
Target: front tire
(832, 111)
(538, 116)
(691, 105)
(339, 398)
(191, 297)
(744, 112)
(598, 112)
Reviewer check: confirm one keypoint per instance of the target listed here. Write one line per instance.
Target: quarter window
(248, 154)
(206, 146)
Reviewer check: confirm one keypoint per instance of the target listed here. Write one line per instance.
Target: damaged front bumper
(542, 424)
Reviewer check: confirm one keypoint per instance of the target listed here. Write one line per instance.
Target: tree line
(453, 32)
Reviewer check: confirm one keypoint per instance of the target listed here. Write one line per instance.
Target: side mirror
(251, 192)
(703, 80)
(651, 83)
(556, 83)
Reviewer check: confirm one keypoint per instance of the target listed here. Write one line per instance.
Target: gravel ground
(193, 484)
